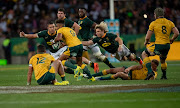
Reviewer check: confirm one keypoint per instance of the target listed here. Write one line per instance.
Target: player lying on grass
(45, 66)
(137, 72)
(111, 43)
(162, 29)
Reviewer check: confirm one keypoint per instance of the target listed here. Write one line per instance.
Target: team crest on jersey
(107, 38)
(46, 37)
(80, 22)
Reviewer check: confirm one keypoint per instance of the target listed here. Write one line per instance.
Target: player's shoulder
(43, 31)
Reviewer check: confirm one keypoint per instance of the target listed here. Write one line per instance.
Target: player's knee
(100, 56)
(144, 54)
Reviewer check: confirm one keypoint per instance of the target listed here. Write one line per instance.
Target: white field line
(92, 101)
(31, 89)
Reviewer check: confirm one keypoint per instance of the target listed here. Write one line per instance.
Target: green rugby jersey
(68, 23)
(108, 42)
(85, 28)
(48, 38)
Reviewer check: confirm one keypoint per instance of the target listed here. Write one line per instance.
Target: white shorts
(94, 48)
(124, 52)
(57, 54)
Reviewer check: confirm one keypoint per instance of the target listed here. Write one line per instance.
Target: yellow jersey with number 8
(69, 36)
(41, 64)
(162, 29)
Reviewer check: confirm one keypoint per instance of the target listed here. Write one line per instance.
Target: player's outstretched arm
(76, 28)
(29, 75)
(148, 37)
(119, 40)
(135, 67)
(86, 43)
(175, 35)
(22, 34)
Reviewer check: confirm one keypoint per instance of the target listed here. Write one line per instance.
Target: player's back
(141, 74)
(41, 64)
(162, 29)
(69, 36)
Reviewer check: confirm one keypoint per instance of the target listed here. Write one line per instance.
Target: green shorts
(163, 49)
(75, 51)
(47, 78)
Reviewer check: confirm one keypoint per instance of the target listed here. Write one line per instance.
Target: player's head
(154, 64)
(51, 27)
(41, 49)
(59, 23)
(101, 29)
(61, 13)
(82, 12)
(158, 12)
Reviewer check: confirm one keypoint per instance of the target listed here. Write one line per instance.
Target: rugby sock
(92, 65)
(86, 55)
(147, 61)
(72, 61)
(106, 61)
(100, 73)
(69, 64)
(97, 74)
(107, 78)
(163, 68)
(63, 77)
(85, 70)
(148, 66)
(69, 71)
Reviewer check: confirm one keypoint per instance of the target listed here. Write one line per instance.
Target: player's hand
(145, 43)
(126, 70)
(171, 41)
(22, 34)
(120, 48)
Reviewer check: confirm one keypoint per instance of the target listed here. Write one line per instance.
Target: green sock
(148, 66)
(106, 61)
(69, 71)
(63, 78)
(137, 58)
(85, 70)
(164, 72)
(72, 61)
(106, 78)
(97, 74)
(69, 64)
(92, 65)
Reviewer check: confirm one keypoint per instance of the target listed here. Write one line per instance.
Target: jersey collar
(82, 18)
(52, 34)
(103, 35)
(64, 18)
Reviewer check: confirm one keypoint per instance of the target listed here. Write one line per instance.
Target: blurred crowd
(32, 16)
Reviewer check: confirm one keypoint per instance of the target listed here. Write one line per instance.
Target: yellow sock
(104, 72)
(164, 66)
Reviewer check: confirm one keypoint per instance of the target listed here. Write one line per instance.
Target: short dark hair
(155, 61)
(83, 8)
(59, 21)
(62, 10)
(50, 22)
(41, 48)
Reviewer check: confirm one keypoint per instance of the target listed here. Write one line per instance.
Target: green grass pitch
(16, 76)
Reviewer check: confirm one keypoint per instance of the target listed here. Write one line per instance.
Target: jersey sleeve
(53, 59)
(151, 26)
(95, 40)
(90, 22)
(41, 34)
(172, 25)
(30, 62)
(68, 23)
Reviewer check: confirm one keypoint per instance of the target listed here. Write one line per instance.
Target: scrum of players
(66, 50)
